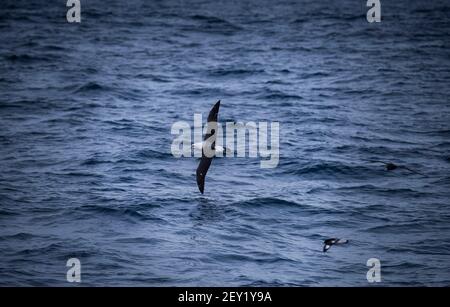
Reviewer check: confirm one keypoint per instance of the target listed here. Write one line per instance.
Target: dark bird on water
(391, 166)
(209, 142)
(330, 242)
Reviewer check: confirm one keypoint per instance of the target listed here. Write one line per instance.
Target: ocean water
(86, 169)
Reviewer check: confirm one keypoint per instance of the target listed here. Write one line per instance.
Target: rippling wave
(86, 169)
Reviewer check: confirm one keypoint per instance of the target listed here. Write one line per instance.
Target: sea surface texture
(86, 169)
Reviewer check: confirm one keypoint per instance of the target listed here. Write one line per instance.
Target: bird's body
(390, 166)
(220, 150)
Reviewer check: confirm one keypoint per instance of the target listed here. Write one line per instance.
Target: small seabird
(391, 166)
(330, 242)
(210, 139)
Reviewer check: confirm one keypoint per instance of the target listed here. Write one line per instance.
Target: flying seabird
(391, 166)
(210, 139)
(330, 242)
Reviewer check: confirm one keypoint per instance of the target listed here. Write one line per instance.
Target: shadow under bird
(209, 141)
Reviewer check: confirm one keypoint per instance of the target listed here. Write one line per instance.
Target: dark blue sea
(86, 169)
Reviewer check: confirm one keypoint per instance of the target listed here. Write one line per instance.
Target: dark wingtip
(214, 111)
(200, 187)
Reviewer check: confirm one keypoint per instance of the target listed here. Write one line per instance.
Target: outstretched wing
(413, 171)
(202, 169)
(328, 243)
(378, 161)
(212, 121)
(205, 161)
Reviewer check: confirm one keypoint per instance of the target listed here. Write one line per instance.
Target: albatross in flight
(208, 147)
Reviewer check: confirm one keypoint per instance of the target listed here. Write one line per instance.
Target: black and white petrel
(330, 242)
